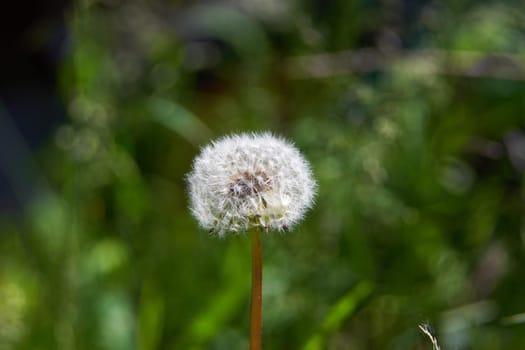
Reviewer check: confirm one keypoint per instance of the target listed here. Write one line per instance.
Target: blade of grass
(338, 313)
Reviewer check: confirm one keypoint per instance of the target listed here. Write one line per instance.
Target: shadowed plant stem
(256, 305)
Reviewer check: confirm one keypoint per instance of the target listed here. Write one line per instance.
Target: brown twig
(425, 328)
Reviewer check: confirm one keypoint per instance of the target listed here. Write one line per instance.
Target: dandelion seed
(245, 181)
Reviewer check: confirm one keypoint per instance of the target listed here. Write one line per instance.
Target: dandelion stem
(256, 302)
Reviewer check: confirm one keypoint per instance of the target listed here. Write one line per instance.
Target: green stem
(256, 304)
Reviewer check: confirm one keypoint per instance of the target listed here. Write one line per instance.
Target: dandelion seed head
(250, 180)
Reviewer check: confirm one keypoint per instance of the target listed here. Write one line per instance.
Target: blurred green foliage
(420, 211)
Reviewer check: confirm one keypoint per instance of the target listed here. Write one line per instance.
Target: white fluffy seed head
(250, 180)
